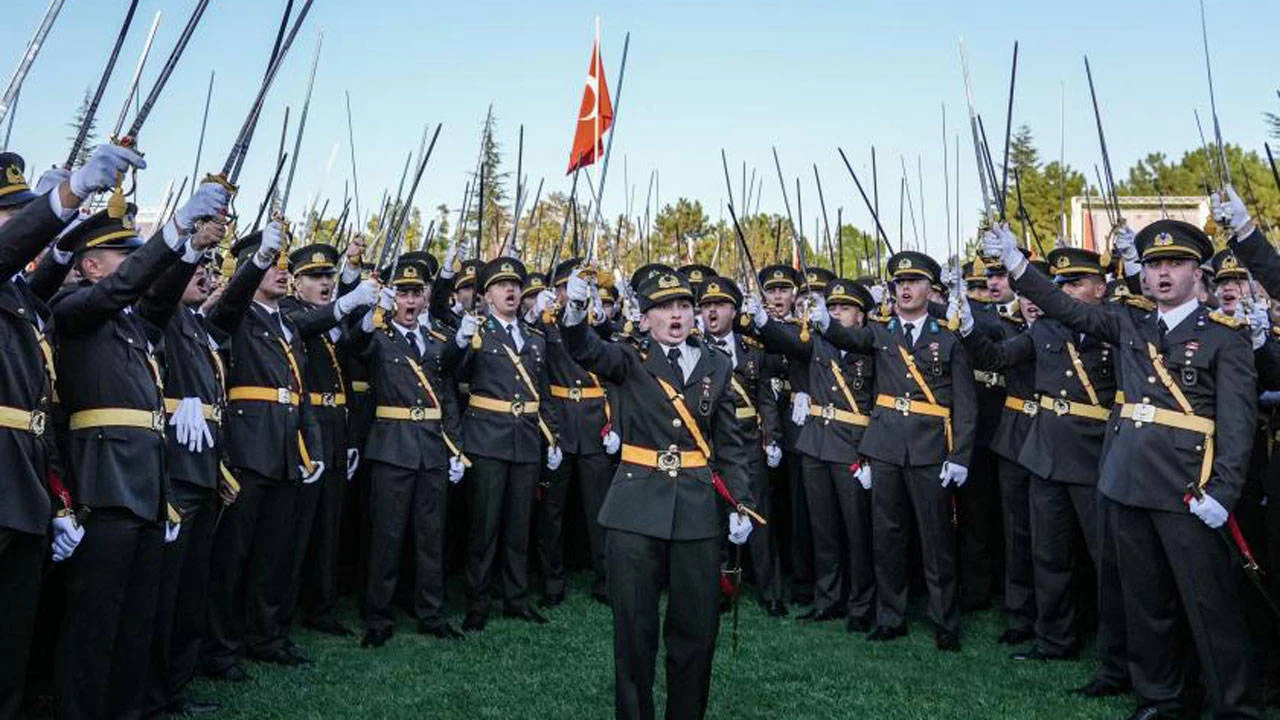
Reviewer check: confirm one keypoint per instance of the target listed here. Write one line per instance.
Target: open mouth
(1164, 286)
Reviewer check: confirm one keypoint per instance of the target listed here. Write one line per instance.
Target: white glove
(863, 475)
(103, 169)
(387, 299)
(456, 469)
(772, 455)
(366, 293)
(543, 301)
(209, 201)
(953, 474)
(949, 275)
(1230, 212)
(877, 293)
(171, 531)
(272, 240)
(190, 426)
(50, 179)
(353, 462)
(1209, 511)
(739, 528)
(1124, 243)
(960, 308)
(1000, 242)
(800, 408)
(1259, 324)
(756, 310)
(466, 328)
(577, 289)
(818, 314)
(67, 534)
(612, 442)
(317, 471)
(555, 456)
(450, 257)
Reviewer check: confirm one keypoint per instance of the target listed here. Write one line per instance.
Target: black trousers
(639, 567)
(978, 531)
(112, 586)
(319, 593)
(1019, 573)
(21, 563)
(301, 540)
(399, 499)
(250, 575)
(183, 600)
(501, 496)
(593, 473)
(762, 546)
(801, 536)
(1176, 573)
(840, 518)
(1058, 512)
(898, 493)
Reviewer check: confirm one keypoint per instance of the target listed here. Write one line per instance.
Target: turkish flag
(595, 116)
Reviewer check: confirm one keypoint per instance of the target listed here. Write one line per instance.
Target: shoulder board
(439, 336)
(1140, 302)
(882, 319)
(750, 341)
(1275, 331)
(791, 321)
(1224, 319)
(534, 330)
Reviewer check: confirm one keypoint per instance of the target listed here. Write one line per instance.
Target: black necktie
(511, 335)
(907, 329)
(413, 343)
(1161, 330)
(673, 355)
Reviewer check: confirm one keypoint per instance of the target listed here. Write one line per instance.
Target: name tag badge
(1189, 377)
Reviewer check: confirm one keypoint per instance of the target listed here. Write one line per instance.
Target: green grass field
(783, 669)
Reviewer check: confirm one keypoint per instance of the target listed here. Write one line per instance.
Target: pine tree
(75, 124)
(497, 216)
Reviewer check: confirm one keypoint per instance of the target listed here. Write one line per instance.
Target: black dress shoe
(1100, 689)
(1150, 713)
(883, 633)
(474, 622)
(329, 626)
(524, 613)
(280, 656)
(823, 615)
(775, 608)
(857, 624)
(1035, 653)
(442, 630)
(193, 707)
(946, 642)
(231, 673)
(1016, 637)
(601, 597)
(375, 638)
(552, 600)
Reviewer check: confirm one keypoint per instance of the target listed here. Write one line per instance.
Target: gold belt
(118, 417)
(907, 406)
(1061, 406)
(413, 414)
(1141, 413)
(360, 386)
(1026, 407)
(212, 413)
(32, 421)
(990, 379)
(328, 399)
(830, 412)
(517, 407)
(283, 396)
(577, 394)
(744, 413)
(669, 461)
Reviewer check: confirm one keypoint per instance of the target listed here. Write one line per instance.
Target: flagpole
(616, 102)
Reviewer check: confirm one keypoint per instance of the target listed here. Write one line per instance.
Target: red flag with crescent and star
(595, 116)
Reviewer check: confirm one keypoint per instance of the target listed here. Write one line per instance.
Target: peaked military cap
(664, 287)
(720, 289)
(500, 269)
(816, 279)
(102, 231)
(1072, 263)
(315, 259)
(842, 291)
(13, 185)
(409, 273)
(911, 264)
(1173, 239)
(424, 258)
(534, 284)
(1227, 267)
(562, 271)
(644, 272)
(779, 275)
(467, 273)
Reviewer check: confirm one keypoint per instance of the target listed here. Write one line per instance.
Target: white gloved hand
(316, 472)
(387, 299)
(543, 301)
(755, 309)
(456, 469)
(51, 179)
(353, 462)
(1209, 511)
(800, 408)
(877, 292)
(209, 201)
(103, 169)
(960, 308)
(362, 295)
(772, 455)
(466, 328)
(555, 456)
(190, 427)
(999, 242)
(953, 474)
(949, 275)
(739, 528)
(1259, 323)
(818, 313)
(862, 473)
(171, 531)
(1124, 242)
(612, 442)
(577, 289)
(272, 241)
(67, 534)
(447, 269)
(1230, 212)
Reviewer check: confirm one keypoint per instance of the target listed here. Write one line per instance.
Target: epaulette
(1137, 301)
(1275, 331)
(882, 319)
(750, 341)
(1223, 319)
(534, 330)
(439, 336)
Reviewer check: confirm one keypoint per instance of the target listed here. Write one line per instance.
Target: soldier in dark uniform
(1172, 469)
(504, 426)
(116, 446)
(270, 433)
(679, 425)
(536, 283)
(919, 442)
(453, 293)
(586, 435)
(757, 412)
(1075, 386)
(837, 479)
(317, 515)
(412, 451)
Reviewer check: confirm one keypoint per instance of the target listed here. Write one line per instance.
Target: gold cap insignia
(1164, 239)
(695, 276)
(507, 267)
(13, 175)
(1229, 262)
(904, 264)
(837, 290)
(1062, 261)
(779, 275)
(411, 272)
(318, 257)
(713, 288)
(668, 281)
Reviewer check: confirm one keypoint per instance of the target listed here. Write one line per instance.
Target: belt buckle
(669, 461)
(1144, 413)
(1030, 408)
(1061, 407)
(828, 412)
(283, 396)
(517, 407)
(328, 400)
(37, 422)
(417, 414)
(575, 394)
(157, 421)
(902, 405)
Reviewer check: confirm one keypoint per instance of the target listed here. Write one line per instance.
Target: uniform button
(1146, 400)
(833, 388)
(1063, 392)
(675, 422)
(1199, 448)
(22, 311)
(1151, 379)
(1070, 373)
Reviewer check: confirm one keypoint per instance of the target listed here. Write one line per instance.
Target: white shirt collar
(1175, 316)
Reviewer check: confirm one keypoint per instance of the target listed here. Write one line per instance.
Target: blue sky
(804, 76)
